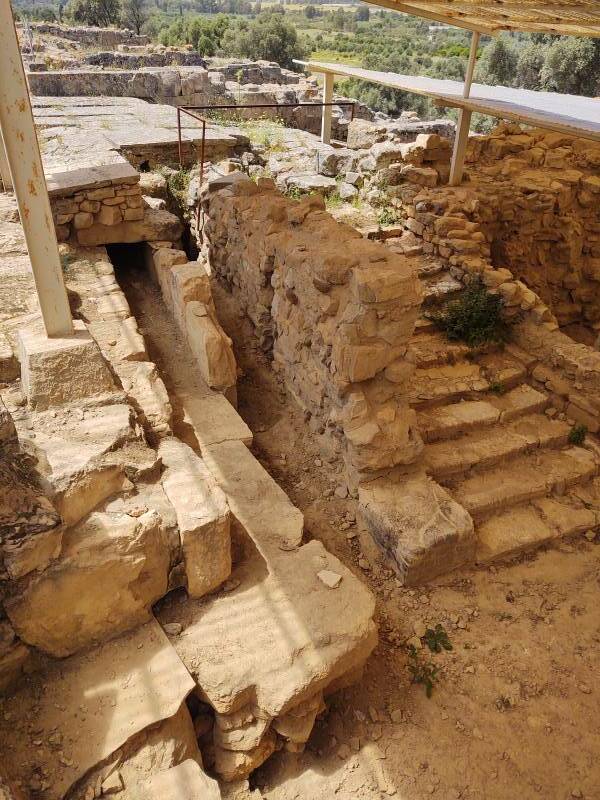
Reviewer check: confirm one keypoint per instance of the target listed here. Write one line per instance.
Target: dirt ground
(515, 710)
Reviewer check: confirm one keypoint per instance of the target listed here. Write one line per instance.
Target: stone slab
(419, 526)
(92, 703)
(186, 781)
(61, 370)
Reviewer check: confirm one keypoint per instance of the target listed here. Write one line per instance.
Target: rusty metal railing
(191, 111)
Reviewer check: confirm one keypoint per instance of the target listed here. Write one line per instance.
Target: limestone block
(211, 347)
(116, 701)
(78, 455)
(241, 737)
(147, 393)
(119, 340)
(83, 219)
(186, 781)
(109, 215)
(202, 516)
(112, 568)
(189, 281)
(135, 214)
(30, 527)
(297, 724)
(423, 176)
(61, 370)
(419, 526)
(163, 260)
(157, 225)
(234, 765)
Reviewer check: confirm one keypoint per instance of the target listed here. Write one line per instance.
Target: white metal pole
(464, 119)
(327, 98)
(25, 163)
(5, 178)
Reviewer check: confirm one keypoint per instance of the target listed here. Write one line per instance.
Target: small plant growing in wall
(475, 317)
(387, 216)
(577, 434)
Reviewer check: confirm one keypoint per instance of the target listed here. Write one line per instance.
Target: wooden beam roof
(564, 17)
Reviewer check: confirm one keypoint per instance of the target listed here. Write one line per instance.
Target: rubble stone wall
(111, 197)
(530, 211)
(104, 37)
(337, 310)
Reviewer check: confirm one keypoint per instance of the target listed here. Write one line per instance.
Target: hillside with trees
(352, 33)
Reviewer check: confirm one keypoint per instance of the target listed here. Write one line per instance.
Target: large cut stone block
(61, 370)
(211, 347)
(202, 516)
(186, 781)
(419, 526)
(111, 570)
(125, 695)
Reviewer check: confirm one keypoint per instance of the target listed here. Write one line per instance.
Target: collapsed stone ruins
(164, 615)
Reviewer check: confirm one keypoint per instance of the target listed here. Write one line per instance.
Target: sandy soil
(515, 709)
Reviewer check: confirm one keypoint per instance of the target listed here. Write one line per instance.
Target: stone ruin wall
(526, 222)
(105, 37)
(530, 211)
(336, 309)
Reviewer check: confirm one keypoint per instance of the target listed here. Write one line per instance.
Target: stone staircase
(495, 443)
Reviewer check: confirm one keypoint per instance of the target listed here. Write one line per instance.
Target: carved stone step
(531, 475)
(525, 527)
(485, 448)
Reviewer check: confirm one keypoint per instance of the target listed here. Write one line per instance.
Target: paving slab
(81, 709)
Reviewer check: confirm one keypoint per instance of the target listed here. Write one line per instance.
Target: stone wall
(83, 199)
(102, 37)
(527, 219)
(336, 309)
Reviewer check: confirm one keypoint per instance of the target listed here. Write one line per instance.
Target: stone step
(481, 449)
(526, 527)
(447, 422)
(432, 349)
(446, 384)
(531, 475)
(439, 289)
(242, 643)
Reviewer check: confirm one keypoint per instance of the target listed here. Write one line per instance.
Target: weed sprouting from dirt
(577, 434)
(178, 183)
(437, 639)
(475, 317)
(421, 671)
(387, 216)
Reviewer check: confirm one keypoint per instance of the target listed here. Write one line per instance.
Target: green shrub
(577, 434)
(475, 317)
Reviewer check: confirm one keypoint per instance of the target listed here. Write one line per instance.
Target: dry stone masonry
(337, 310)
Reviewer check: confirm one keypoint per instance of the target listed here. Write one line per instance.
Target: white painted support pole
(5, 178)
(25, 163)
(326, 116)
(464, 120)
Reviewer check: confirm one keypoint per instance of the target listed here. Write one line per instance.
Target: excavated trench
(383, 737)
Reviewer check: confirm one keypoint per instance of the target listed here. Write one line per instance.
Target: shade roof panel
(563, 17)
(565, 113)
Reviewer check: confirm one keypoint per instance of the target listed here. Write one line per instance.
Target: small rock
(172, 628)
(364, 564)
(396, 716)
(590, 535)
(419, 628)
(355, 743)
(470, 669)
(584, 688)
(329, 578)
(341, 491)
